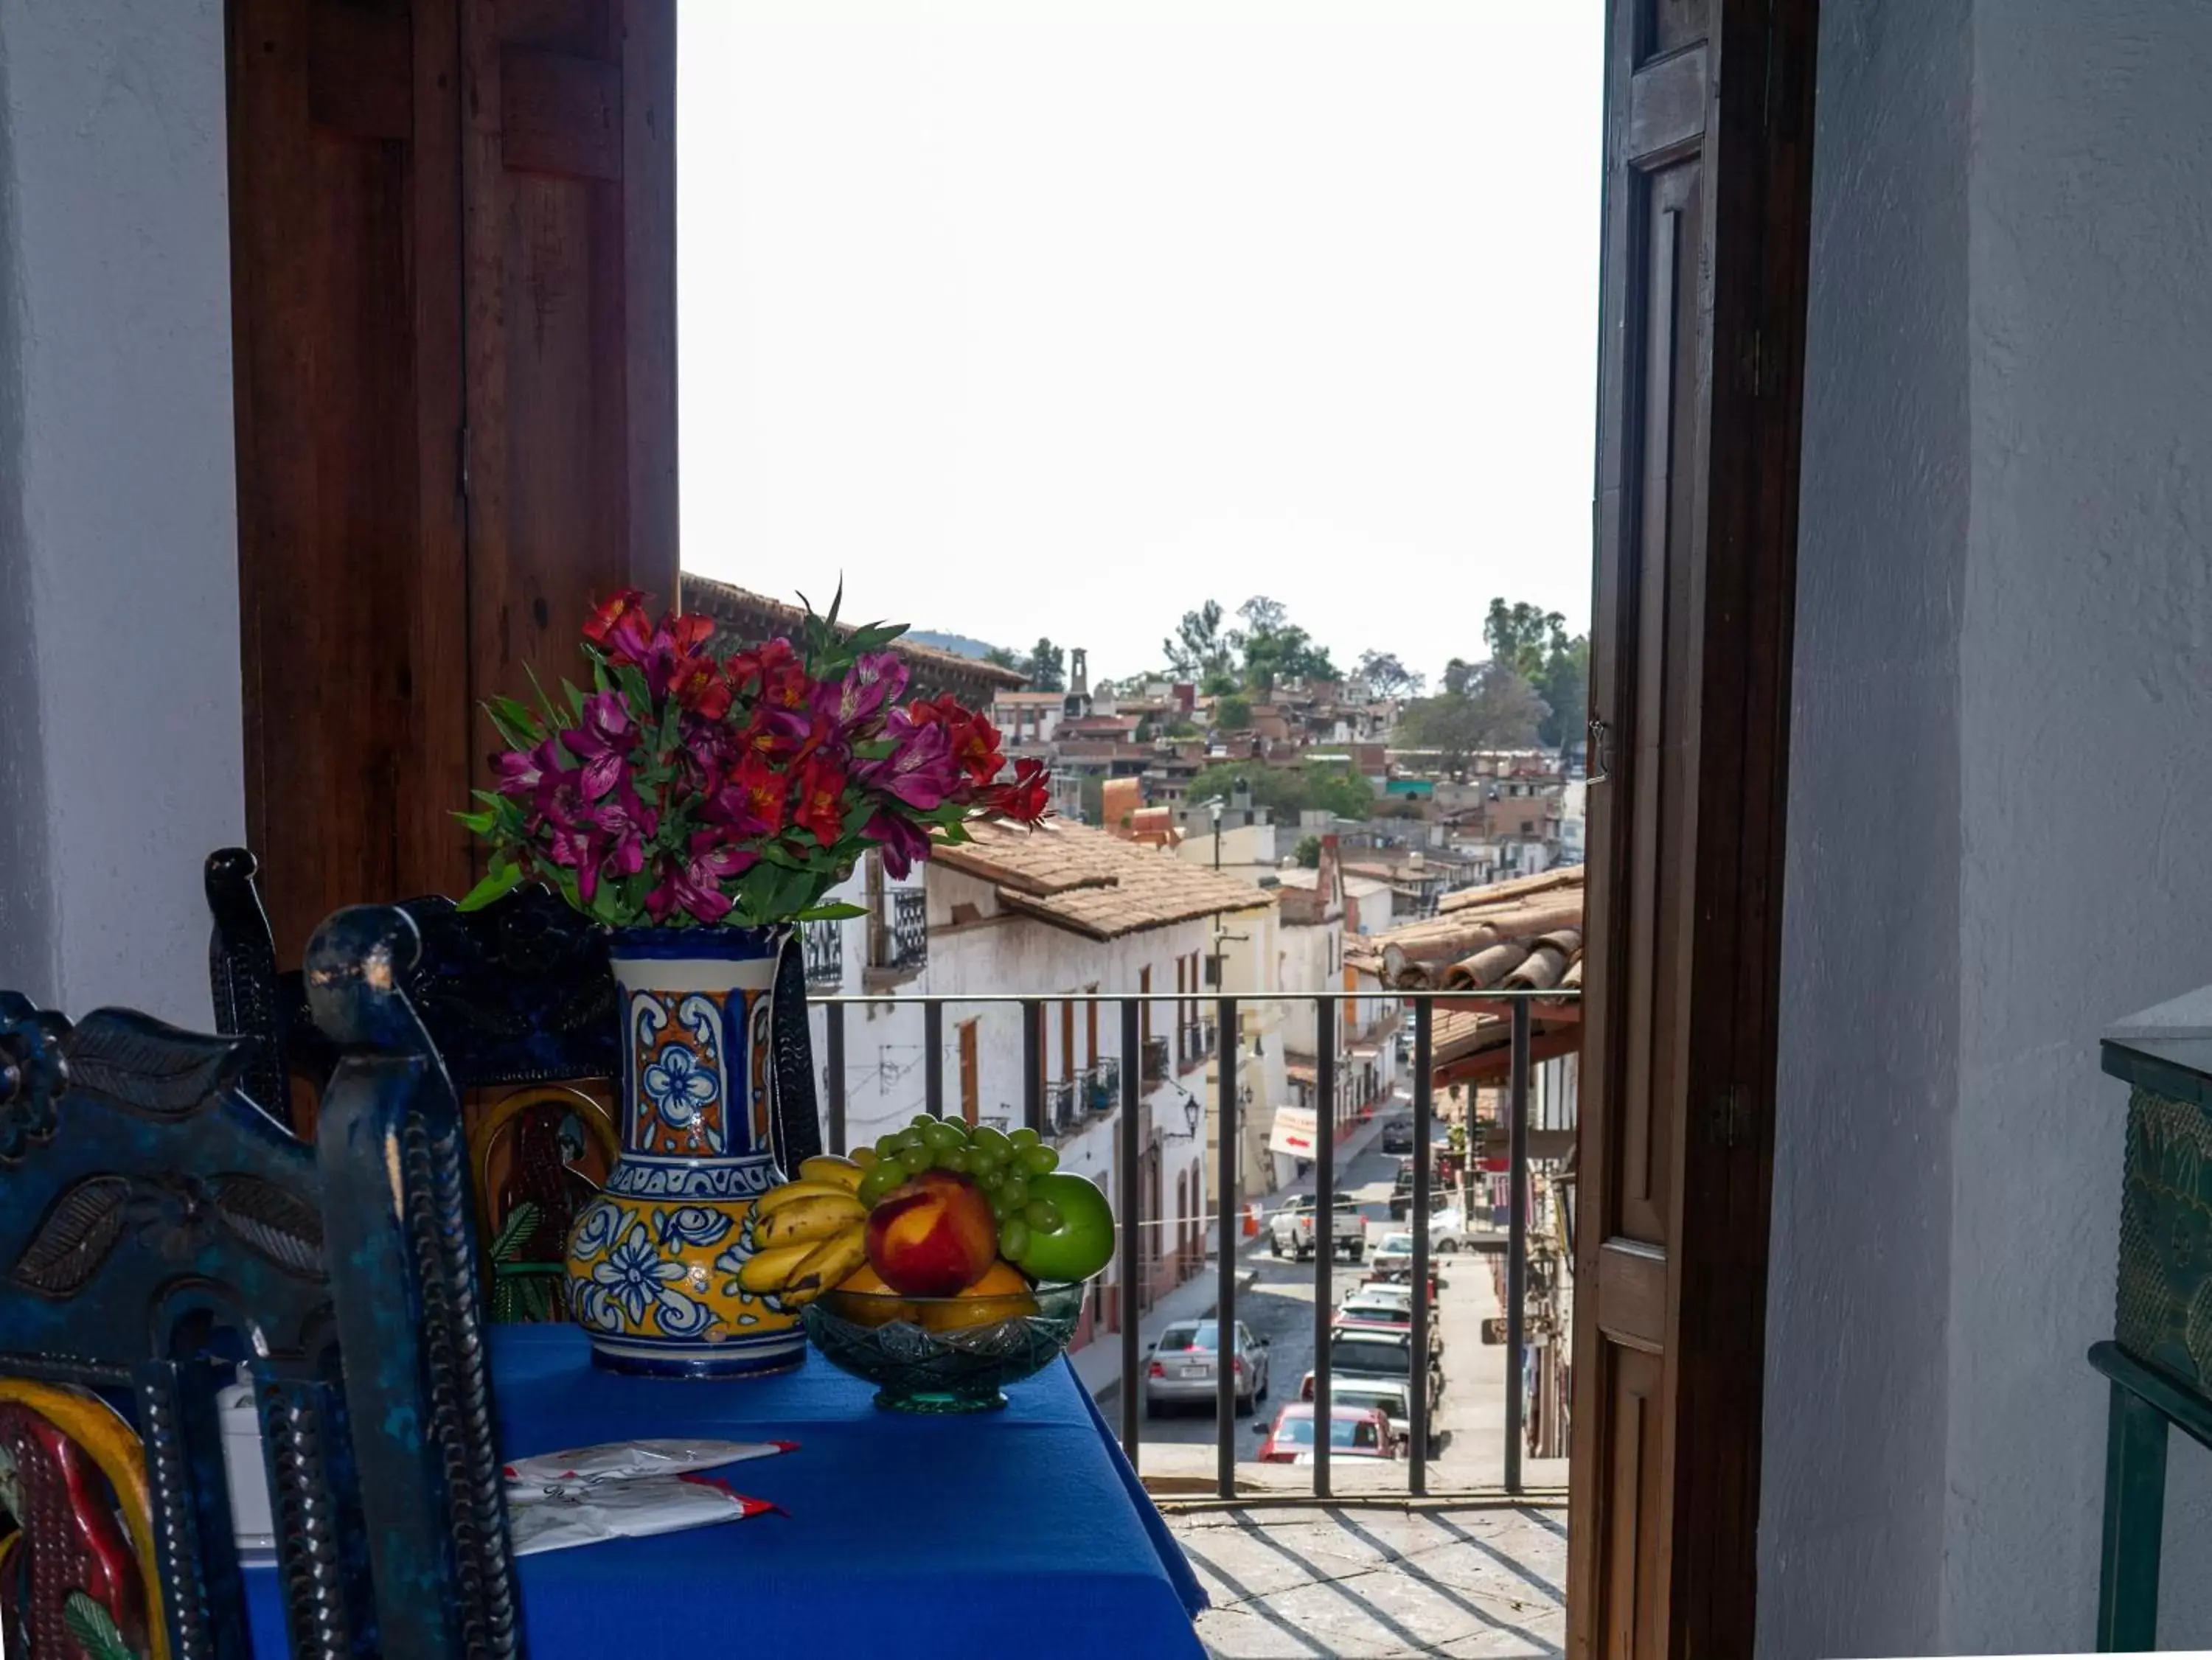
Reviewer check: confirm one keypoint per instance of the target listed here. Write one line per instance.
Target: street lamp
(1213, 809)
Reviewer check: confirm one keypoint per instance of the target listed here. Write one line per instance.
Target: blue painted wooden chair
(515, 996)
(155, 1226)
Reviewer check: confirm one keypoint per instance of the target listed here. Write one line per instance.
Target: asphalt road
(1280, 1307)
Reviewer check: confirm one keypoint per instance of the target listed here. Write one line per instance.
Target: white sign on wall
(1293, 1133)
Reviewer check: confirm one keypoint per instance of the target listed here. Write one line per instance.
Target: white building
(1051, 914)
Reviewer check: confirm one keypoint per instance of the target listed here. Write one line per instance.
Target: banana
(865, 1157)
(814, 1217)
(829, 1167)
(765, 1271)
(829, 1262)
(791, 1192)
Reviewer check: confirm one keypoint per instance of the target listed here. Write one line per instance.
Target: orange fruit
(875, 1303)
(1001, 1294)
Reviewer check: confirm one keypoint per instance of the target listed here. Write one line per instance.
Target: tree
(1232, 713)
(1565, 687)
(1388, 677)
(1308, 852)
(1199, 651)
(1143, 732)
(1004, 658)
(1522, 637)
(1046, 667)
(1484, 705)
(1286, 791)
(1277, 649)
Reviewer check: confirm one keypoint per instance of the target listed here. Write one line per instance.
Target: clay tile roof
(745, 618)
(1512, 934)
(1092, 882)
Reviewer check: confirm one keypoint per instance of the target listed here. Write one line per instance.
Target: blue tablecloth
(1017, 1532)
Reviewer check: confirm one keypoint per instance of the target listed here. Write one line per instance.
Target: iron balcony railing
(1131, 1259)
(1102, 1086)
(1063, 1106)
(1155, 1062)
(899, 932)
(822, 944)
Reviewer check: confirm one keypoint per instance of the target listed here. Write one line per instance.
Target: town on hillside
(1288, 838)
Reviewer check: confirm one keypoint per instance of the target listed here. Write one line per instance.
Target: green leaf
(544, 703)
(516, 726)
(838, 912)
(94, 1628)
(635, 692)
(607, 904)
(482, 823)
(503, 877)
(514, 1233)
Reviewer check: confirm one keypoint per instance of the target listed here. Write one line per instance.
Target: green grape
(1000, 1208)
(994, 1140)
(914, 1160)
(922, 1120)
(1041, 1214)
(945, 1137)
(1017, 1189)
(881, 1180)
(1037, 1161)
(887, 1147)
(909, 1137)
(1023, 1137)
(953, 1157)
(990, 1175)
(1013, 1239)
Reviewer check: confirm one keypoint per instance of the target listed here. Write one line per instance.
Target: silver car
(1179, 1371)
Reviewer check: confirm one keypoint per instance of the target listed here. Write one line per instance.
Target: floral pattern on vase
(653, 1260)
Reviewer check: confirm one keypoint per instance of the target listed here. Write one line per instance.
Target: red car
(1353, 1433)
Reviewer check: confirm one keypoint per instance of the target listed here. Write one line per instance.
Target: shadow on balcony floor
(1375, 1585)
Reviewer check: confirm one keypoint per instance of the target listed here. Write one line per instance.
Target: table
(1022, 1532)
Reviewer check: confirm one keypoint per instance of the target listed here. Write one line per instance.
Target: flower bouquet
(698, 807)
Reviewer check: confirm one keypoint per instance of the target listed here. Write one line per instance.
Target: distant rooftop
(1092, 882)
(743, 618)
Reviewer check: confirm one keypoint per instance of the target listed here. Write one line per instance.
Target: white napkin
(626, 1490)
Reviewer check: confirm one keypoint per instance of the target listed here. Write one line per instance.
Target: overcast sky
(1061, 316)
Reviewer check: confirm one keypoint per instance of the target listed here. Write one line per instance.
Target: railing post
(1517, 1243)
(833, 1017)
(1324, 1229)
(1132, 1385)
(932, 1058)
(1224, 1212)
(1033, 1066)
(1417, 1478)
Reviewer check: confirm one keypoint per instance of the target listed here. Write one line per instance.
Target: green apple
(1082, 1243)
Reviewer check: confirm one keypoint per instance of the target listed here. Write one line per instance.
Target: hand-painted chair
(516, 997)
(157, 1226)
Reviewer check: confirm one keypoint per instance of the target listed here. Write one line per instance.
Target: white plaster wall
(121, 760)
(2005, 619)
(1851, 1505)
(2085, 669)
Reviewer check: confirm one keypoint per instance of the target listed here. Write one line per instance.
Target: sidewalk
(1099, 1363)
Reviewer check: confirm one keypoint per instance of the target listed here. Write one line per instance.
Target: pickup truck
(1291, 1229)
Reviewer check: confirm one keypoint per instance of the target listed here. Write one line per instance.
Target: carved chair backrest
(155, 1226)
(517, 994)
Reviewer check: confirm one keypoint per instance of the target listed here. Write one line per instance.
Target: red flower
(619, 628)
(774, 674)
(1024, 798)
(753, 799)
(821, 800)
(700, 687)
(973, 740)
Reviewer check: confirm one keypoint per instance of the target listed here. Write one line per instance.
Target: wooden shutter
(1708, 139)
(970, 1073)
(452, 283)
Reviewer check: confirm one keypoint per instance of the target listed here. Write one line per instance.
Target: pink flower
(696, 883)
(877, 679)
(903, 842)
(602, 744)
(919, 771)
(522, 771)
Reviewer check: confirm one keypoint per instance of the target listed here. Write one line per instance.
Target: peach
(933, 1237)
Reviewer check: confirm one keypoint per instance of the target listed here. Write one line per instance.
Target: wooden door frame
(1692, 1589)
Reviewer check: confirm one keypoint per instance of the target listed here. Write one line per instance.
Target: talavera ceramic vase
(653, 1260)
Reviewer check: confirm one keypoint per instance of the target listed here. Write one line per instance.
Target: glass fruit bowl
(943, 1354)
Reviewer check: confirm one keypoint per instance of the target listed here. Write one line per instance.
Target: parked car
(1395, 1254)
(1392, 1396)
(1354, 1431)
(1398, 1136)
(1370, 1309)
(1181, 1369)
(1372, 1365)
(1289, 1229)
